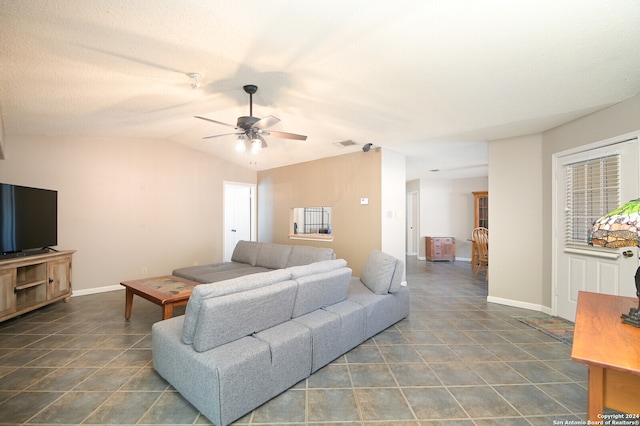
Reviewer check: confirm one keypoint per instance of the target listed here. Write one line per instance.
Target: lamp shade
(618, 228)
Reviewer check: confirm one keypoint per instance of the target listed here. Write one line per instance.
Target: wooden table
(166, 291)
(611, 349)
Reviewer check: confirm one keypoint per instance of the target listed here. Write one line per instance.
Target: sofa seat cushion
(304, 255)
(227, 318)
(216, 271)
(382, 310)
(334, 330)
(206, 291)
(320, 290)
(216, 277)
(273, 256)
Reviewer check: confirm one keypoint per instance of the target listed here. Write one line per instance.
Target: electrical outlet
(145, 271)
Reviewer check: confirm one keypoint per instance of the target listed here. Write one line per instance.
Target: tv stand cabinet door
(59, 273)
(7, 295)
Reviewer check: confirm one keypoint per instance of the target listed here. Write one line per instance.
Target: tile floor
(456, 360)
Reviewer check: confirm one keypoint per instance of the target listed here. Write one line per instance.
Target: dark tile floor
(456, 360)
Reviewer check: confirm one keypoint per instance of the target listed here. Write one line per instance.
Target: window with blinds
(593, 190)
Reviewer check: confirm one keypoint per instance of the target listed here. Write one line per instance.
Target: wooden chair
(480, 251)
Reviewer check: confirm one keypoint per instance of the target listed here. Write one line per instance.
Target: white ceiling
(432, 79)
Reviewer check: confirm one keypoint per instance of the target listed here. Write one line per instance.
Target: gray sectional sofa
(251, 257)
(245, 340)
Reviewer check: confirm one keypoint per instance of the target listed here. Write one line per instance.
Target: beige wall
(338, 182)
(125, 204)
(515, 221)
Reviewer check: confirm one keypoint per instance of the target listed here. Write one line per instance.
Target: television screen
(28, 218)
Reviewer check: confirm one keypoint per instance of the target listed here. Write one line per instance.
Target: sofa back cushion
(304, 255)
(206, 291)
(273, 256)
(246, 252)
(396, 280)
(227, 318)
(316, 268)
(319, 290)
(378, 271)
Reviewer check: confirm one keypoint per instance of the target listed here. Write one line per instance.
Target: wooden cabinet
(481, 209)
(59, 273)
(440, 248)
(28, 283)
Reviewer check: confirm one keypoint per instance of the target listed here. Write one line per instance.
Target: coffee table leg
(167, 311)
(128, 304)
(595, 392)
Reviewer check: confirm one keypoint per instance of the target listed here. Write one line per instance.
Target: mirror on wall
(311, 222)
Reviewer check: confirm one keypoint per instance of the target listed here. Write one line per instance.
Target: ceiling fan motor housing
(245, 122)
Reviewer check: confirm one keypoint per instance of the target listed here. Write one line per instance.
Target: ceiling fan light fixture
(196, 76)
(256, 145)
(241, 146)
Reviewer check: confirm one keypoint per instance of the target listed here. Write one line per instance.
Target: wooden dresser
(440, 248)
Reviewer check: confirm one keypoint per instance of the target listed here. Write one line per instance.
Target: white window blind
(593, 189)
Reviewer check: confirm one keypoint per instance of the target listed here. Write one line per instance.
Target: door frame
(556, 159)
(253, 212)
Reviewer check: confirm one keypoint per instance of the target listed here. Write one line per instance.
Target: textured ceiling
(433, 79)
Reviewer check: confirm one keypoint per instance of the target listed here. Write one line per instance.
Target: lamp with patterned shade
(619, 228)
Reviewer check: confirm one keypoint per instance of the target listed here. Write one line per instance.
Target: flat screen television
(28, 220)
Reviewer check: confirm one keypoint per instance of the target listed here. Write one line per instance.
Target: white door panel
(588, 268)
(238, 214)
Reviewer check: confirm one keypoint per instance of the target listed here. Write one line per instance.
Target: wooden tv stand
(30, 282)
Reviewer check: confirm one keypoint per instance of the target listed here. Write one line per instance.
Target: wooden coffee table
(166, 291)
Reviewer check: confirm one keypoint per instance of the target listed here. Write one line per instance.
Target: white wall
(393, 203)
(126, 204)
(446, 210)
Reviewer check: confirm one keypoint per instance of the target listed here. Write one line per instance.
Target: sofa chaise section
(252, 257)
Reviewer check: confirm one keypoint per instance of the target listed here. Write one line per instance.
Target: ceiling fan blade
(224, 134)
(214, 121)
(285, 135)
(268, 121)
(264, 142)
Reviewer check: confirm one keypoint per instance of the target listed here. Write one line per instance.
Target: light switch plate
(364, 201)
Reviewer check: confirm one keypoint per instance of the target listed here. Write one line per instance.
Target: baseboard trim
(519, 304)
(96, 290)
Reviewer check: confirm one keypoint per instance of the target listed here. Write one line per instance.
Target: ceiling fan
(252, 129)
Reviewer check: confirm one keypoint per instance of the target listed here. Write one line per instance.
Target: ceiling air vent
(344, 144)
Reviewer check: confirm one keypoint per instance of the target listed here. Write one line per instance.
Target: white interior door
(238, 215)
(588, 268)
(412, 223)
